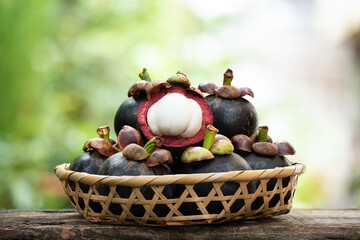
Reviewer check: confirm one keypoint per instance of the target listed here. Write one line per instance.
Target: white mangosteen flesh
(174, 115)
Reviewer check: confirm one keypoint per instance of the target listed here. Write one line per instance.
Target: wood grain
(68, 224)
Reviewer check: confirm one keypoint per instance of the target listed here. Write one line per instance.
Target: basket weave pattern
(274, 192)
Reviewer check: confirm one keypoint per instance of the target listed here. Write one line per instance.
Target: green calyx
(144, 75)
(103, 144)
(153, 144)
(263, 134)
(136, 152)
(213, 144)
(139, 88)
(210, 134)
(228, 77)
(104, 132)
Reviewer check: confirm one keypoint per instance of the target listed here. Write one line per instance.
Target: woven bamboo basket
(272, 196)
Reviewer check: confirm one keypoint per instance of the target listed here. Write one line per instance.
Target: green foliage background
(65, 67)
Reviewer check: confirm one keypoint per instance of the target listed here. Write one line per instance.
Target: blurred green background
(66, 66)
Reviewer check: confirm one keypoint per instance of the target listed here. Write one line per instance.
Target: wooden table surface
(68, 224)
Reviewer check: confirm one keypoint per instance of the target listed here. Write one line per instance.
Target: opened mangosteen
(261, 153)
(232, 113)
(96, 151)
(136, 160)
(216, 155)
(174, 111)
(126, 113)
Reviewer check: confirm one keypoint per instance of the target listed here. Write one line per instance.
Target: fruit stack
(172, 128)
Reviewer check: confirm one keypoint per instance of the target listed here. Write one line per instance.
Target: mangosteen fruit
(132, 161)
(89, 162)
(96, 151)
(126, 113)
(232, 113)
(174, 111)
(261, 153)
(205, 160)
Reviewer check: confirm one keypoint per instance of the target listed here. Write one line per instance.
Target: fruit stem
(144, 75)
(104, 132)
(228, 77)
(263, 131)
(210, 133)
(153, 144)
(178, 72)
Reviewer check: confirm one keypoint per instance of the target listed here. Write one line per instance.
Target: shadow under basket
(175, 200)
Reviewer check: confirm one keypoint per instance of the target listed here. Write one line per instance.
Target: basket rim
(63, 173)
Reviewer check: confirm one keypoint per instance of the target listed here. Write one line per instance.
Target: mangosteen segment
(178, 116)
(174, 115)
